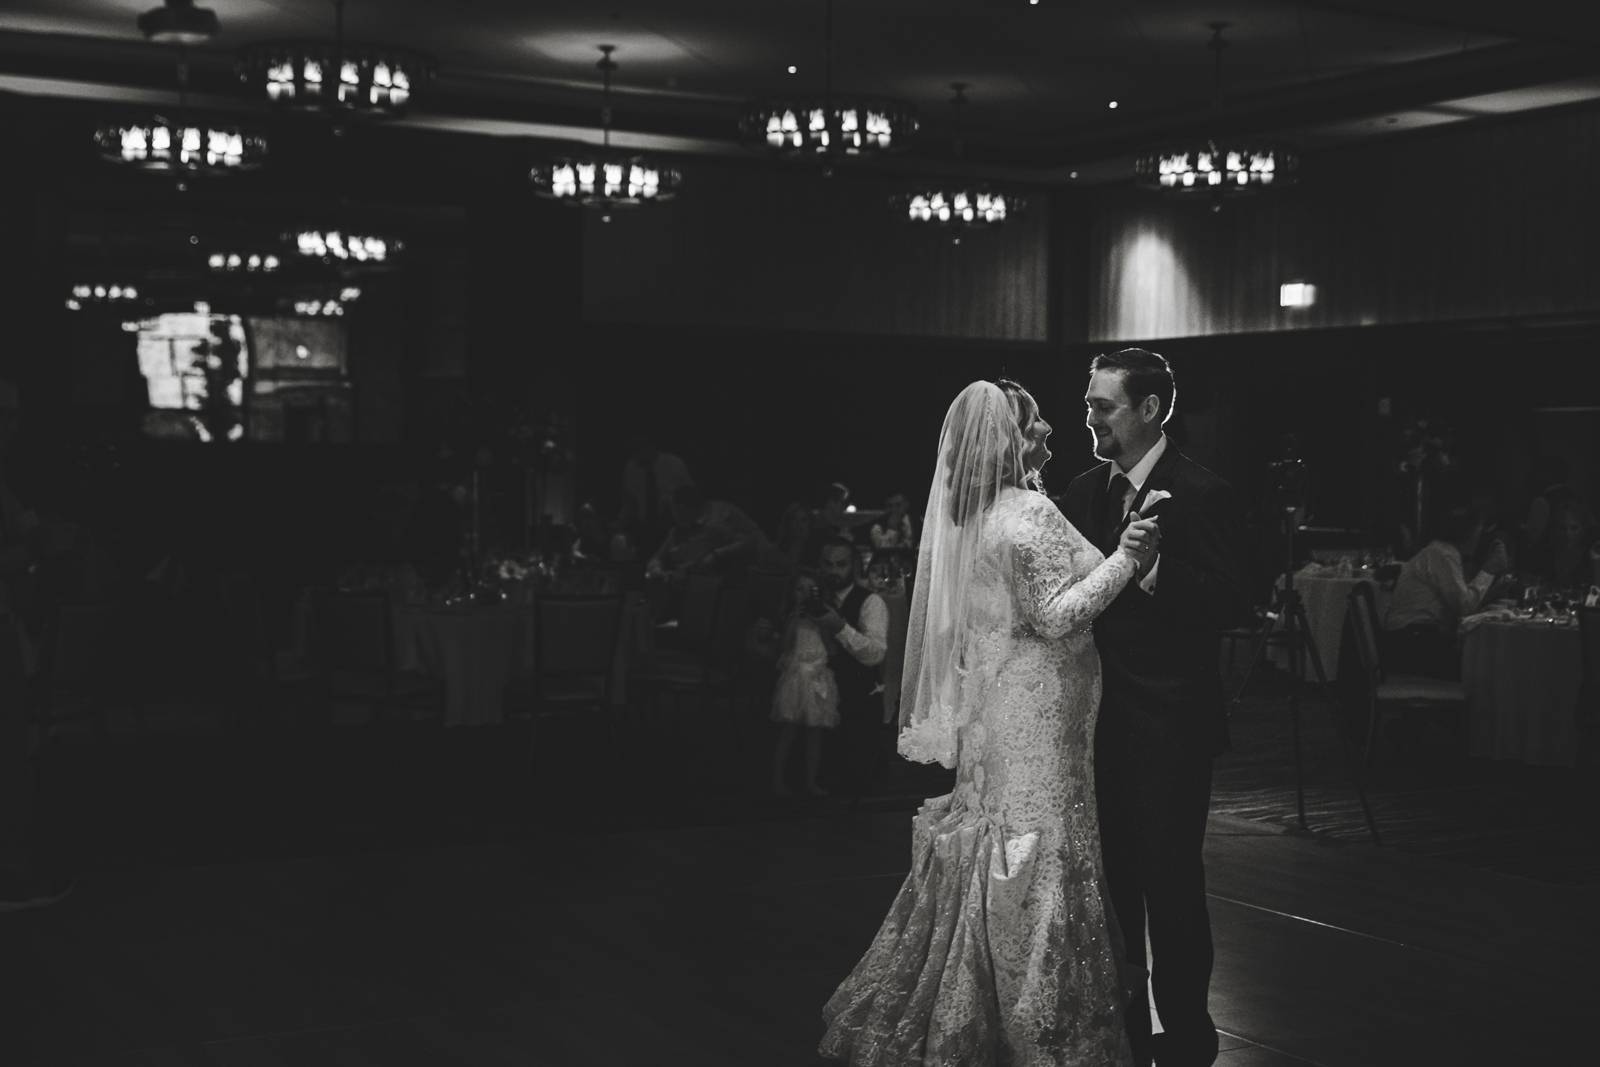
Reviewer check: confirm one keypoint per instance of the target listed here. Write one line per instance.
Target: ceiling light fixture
(958, 204)
(346, 249)
(186, 145)
(832, 125)
(337, 77)
(179, 22)
(603, 179)
(243, 262)
(85, 295)
(1220, 167)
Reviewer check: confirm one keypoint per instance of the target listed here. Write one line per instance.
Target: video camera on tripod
(1289, 483)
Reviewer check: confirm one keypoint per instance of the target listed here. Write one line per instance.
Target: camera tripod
(1285, 626)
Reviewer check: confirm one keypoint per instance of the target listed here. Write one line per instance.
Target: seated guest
(1500, 530)
(1432, 594)
(1556, 492)
(709, 536)
(1562, 557)
(893, 529)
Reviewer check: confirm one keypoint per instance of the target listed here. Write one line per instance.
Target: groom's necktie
(1116, 508)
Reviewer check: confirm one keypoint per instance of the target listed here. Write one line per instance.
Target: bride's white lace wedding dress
(999, 948)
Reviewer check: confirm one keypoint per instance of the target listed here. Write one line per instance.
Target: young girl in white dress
(805, 696)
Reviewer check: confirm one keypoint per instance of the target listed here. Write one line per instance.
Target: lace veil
(954, 611)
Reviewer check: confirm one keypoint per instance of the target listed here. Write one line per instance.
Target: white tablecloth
(474, 650)
(1326, 598)
(1522, 682)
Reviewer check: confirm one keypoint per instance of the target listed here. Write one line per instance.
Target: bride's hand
(1142, 539)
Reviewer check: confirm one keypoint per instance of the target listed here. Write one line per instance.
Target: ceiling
(1041, 75)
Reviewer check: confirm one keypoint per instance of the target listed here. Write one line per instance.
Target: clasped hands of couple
(1142, 539)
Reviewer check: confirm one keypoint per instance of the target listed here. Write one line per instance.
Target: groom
(1162, 716)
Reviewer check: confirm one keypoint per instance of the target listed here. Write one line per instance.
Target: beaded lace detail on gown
(998, 949)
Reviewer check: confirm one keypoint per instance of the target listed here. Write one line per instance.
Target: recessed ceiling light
(1112, 105)
(1073, 175)
(793, 69)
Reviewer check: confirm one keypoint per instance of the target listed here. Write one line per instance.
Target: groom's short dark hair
(1144, 373)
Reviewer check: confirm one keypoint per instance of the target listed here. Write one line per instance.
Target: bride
(1000, 947)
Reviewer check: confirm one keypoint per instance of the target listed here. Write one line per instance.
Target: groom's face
(1113, 418)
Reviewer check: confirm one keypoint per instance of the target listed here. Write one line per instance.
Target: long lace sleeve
(1057, 591)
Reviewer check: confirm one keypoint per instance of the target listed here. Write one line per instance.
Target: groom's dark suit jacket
(1159, 652)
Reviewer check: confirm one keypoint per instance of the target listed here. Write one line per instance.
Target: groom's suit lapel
(1161, 477)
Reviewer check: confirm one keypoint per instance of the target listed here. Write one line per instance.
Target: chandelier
(352, 249)
(84, 295)
(323, 305)
(1218, 166)
(184, 147)
(958, 204)
(177, 147)
(604, 179)
(955, 206)
(243, 263)
(829, 125)
(359, 80)
(1225, 168)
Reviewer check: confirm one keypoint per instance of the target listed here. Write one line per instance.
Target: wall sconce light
(1296, 295)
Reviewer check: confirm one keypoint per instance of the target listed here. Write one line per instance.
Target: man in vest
(858, 621)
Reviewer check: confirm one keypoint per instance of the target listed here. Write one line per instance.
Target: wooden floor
(359, 897)
(717, 946)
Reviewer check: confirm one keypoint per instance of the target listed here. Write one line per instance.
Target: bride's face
(1037, 453)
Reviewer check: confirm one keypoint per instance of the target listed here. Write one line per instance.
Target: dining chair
(701, 667)
(1376, 691)
(702, 597)
(574, 658)
(255, 675)
(352, 642)
(79, 664)
(574, 651)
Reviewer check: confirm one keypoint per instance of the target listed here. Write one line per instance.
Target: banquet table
(1325, 592)
(1522, 677)
(477, 648)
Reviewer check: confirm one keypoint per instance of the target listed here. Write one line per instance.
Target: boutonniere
(1152, 498)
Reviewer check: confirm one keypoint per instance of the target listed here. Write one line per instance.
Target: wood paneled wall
(749, 247)
(1493, 220)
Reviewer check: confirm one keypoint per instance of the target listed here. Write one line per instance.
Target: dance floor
(716, 945)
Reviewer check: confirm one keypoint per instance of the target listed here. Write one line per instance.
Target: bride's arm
(1057, 591)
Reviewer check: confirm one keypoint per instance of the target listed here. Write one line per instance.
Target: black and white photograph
(788, 533)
